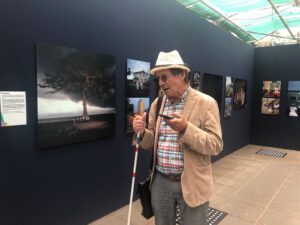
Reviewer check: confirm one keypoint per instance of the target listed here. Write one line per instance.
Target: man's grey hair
(177, 71)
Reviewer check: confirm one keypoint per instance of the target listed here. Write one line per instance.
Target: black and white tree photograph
(76, 95)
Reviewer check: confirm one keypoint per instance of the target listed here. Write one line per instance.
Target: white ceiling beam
(281, 18)
(225, 18)
(270, 34)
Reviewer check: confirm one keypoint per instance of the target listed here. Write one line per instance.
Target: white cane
(141, 112)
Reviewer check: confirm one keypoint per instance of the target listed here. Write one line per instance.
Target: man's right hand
(139, 124)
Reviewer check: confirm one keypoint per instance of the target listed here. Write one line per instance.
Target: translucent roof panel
(259, 22)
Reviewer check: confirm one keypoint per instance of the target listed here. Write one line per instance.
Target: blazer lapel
(189, 103)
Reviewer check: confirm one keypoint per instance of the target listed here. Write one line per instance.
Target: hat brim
(164, 67)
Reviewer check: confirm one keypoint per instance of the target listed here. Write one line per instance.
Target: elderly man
(182, 144)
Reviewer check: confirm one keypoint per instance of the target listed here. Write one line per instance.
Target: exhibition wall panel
(76, 184)
(278, 63)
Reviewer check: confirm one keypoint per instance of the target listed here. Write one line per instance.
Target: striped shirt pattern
(169, 153)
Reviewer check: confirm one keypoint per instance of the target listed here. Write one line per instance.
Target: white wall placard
(12, 108)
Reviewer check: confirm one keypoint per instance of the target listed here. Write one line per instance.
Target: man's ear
(183, 74)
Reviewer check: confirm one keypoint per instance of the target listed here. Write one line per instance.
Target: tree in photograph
(83, 77)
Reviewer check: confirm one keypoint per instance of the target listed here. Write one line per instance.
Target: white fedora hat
(169, 60)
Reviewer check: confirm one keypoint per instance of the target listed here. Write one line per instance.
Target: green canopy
(259, 22)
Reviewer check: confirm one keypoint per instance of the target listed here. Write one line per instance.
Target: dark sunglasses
(163, 78)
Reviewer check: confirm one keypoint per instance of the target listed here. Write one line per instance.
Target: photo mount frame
(66, 114)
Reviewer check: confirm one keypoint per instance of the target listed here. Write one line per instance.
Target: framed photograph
(270, 102)
(228, 87)
(293, 105)
(228, 108)
(213, 86)
(270, 106)
(240, 94)
(138, 78)
(271, 89)
(228, 97)
(196, 80)
(76, 95)
(133, 109)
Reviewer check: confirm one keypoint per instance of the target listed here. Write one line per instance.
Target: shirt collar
(182, 97)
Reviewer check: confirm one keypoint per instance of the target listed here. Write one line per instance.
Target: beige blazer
(201, 139)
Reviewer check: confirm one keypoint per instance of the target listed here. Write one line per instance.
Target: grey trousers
(165, 196)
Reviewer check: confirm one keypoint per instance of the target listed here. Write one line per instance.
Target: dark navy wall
(76, 184)
(275, 63)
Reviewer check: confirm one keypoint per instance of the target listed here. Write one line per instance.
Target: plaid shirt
(169, 153)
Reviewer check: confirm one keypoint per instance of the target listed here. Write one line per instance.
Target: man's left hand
(179, 123)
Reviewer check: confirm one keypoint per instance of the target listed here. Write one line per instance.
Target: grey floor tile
(251, 188)
(273, 217)
(231, 220)
(243, 210)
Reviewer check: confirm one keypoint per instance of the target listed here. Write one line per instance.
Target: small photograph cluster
(137, 90)
(212, 85)
(270, 102)
(235, 91)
